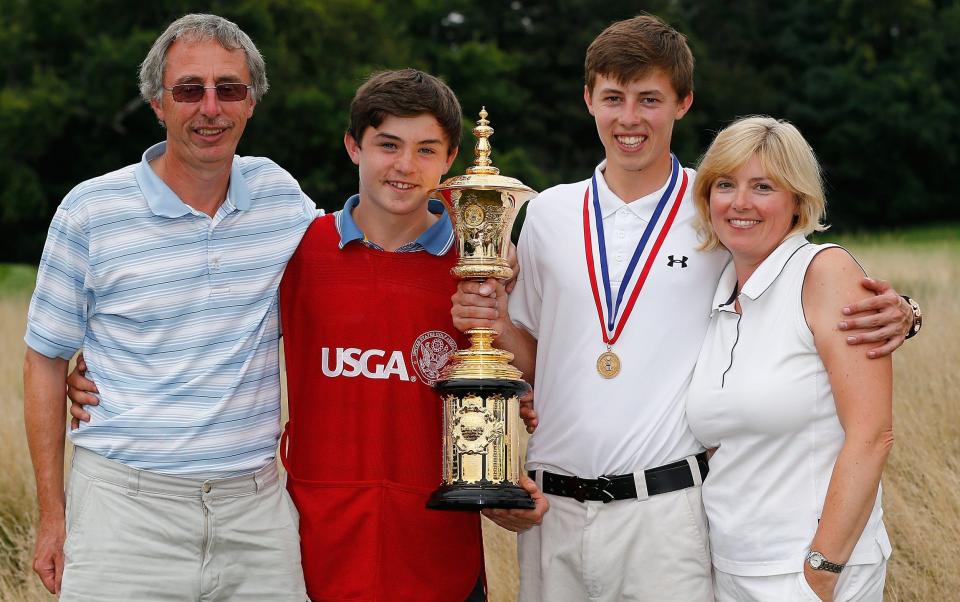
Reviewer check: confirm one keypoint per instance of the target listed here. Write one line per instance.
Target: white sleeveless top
(761, 393)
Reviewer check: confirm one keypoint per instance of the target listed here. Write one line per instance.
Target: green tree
(873, 86)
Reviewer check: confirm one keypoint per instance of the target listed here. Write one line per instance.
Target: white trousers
(857, 583)
(628, 550)
(135, 535)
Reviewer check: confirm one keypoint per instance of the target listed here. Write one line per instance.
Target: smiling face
(635, 124)
(203, 135)
(400, 162)
(751, 214)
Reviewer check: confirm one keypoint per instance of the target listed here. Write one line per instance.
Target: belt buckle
(603, 483)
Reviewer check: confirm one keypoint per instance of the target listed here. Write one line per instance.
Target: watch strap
(822, 564)
(917, 317)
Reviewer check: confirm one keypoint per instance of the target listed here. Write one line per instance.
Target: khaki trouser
(649, 550)
(136, 535)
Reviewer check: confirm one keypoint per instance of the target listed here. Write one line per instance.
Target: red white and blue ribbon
(657, 228)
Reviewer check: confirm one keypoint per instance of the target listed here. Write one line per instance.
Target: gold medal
(612, 323)
(608, 364)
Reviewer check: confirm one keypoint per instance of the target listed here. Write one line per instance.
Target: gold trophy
(479, 387)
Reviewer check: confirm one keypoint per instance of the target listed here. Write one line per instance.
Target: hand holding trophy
(480, 389)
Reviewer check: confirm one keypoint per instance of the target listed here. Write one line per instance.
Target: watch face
(816, 560)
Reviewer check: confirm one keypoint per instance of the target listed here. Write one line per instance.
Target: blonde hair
(785, 156)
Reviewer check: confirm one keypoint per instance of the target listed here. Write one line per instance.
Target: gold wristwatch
(917, 317)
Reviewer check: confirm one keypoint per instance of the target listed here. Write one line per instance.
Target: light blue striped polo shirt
(176, 313)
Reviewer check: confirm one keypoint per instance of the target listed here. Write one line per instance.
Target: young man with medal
(607, 318)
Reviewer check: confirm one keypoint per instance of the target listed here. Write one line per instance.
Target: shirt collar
(164, 202)
(610, 203)
(761, 279)
(726, 293)
(436, 240)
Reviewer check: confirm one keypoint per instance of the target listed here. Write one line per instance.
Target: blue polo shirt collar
(164, 202)
(435, 240)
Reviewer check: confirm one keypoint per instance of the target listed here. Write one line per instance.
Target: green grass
(17, 279)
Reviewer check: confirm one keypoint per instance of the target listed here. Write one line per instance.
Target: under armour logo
(682, 261)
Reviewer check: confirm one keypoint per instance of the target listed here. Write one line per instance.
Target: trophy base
(481, 445)
(478, 497)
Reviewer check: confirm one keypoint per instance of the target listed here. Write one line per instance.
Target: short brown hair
(630, 49)
(405, 93)
(785, 156)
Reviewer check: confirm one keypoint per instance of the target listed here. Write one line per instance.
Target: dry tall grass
(922, 478)
(922, 486)
(17, 510)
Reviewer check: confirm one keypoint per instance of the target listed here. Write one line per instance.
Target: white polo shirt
(761, 392)
(591, 426)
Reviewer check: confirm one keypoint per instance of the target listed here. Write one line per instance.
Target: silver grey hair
(200, 28)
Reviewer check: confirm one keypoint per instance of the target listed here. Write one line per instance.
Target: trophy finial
(482, 150)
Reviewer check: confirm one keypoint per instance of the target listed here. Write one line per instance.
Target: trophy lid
(483, 175)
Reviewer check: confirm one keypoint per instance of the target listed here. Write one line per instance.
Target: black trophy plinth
(481, 426)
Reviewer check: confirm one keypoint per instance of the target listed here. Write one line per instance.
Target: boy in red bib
(365, 311)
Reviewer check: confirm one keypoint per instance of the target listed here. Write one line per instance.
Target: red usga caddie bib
(365, 334)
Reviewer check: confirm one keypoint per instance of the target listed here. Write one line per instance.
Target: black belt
(607, 488)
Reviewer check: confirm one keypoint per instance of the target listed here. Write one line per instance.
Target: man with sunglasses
(166, 273)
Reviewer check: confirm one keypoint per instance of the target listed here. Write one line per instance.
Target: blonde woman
(801, 421)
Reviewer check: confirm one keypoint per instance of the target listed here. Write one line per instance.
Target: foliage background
(872, 84)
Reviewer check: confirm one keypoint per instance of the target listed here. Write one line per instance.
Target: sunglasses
(194, 92)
